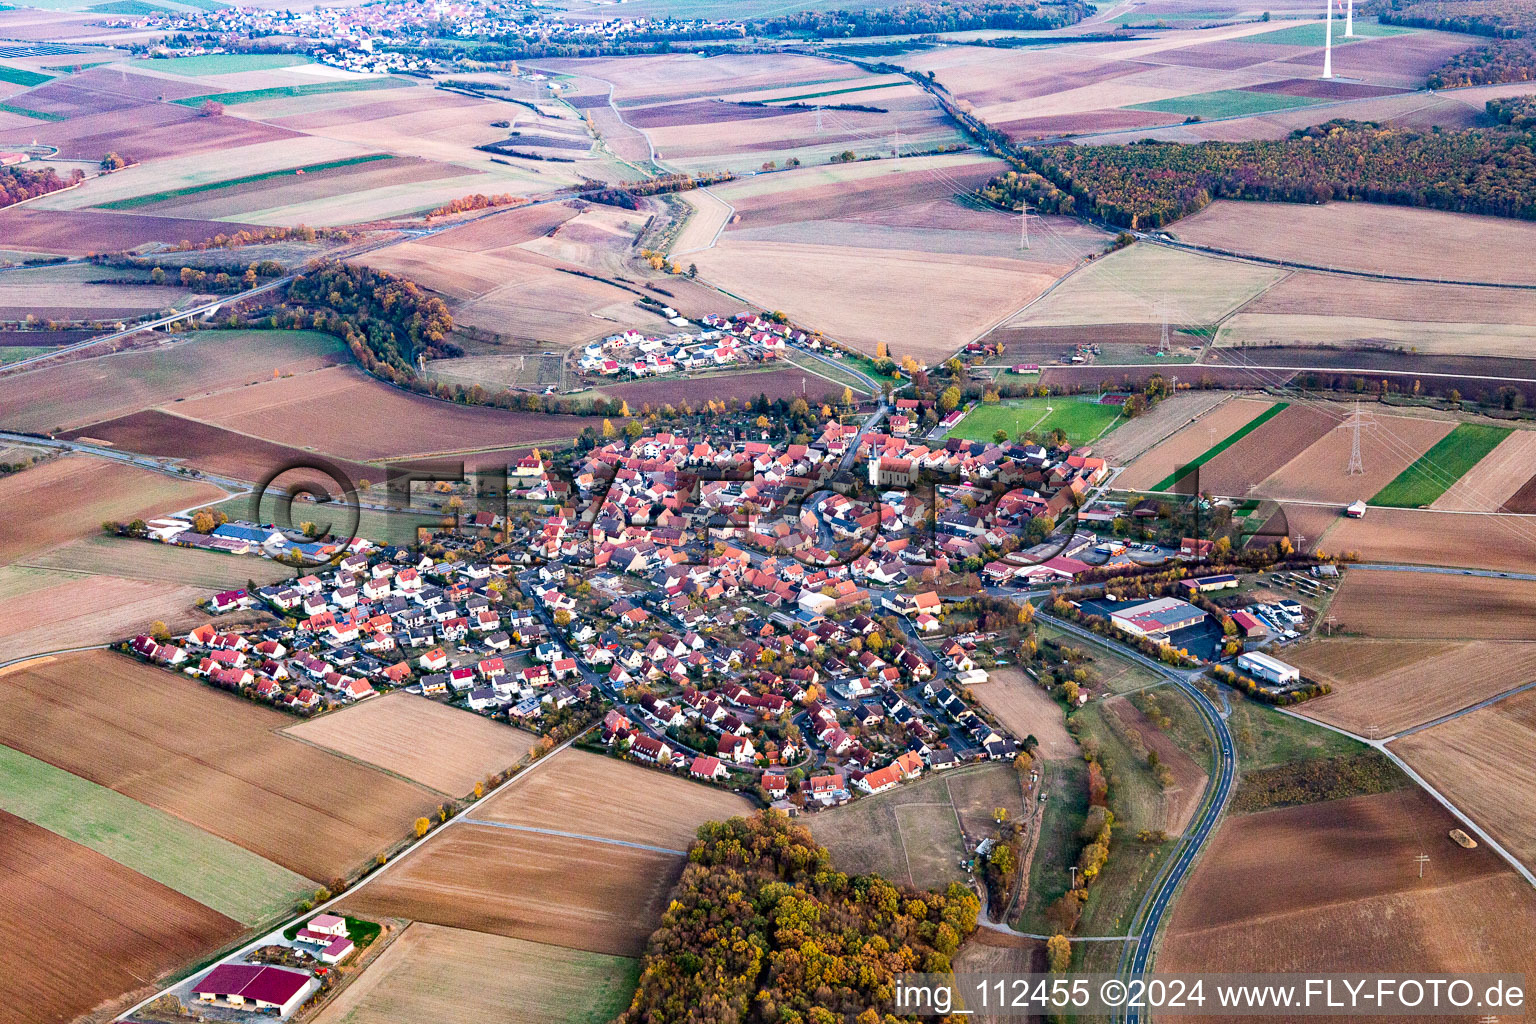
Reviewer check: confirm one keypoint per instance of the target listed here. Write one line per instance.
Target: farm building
(1270, 670)
(253, 985)
(1225, 581)
(1157, 618)
(1249, 625)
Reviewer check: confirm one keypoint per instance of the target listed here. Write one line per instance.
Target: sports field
(1083, 421)
(1432, 473)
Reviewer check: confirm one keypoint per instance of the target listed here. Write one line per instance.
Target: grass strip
(213, 871)
(831, 92)
(234, 99)
(1432, 474)
(1167, 482)
(11, 108)
(20, 76)
(214, 186)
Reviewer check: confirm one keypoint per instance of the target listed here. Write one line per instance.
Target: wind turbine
(1349, 20)
(1328, 44)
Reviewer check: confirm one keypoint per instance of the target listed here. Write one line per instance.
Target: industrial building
(1268, 670)
(1156, 619)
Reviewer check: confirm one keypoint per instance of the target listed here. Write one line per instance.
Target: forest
(762, 928)
(928, 16)
(1518, 111)
(1148, 184)
(386, 321)
(18, 184)
(1504, 60)
(1504, 19)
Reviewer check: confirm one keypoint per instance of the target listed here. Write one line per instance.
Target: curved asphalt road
(1214, 802)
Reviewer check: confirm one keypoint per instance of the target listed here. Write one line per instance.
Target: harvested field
(108, 555)
(1205, 377)
(78, 232)
(208, 448)
(1413, 605)
(1482, 763)
(1182, 796)
(430, 974)
(1370, 237)
(63, 396)
(81, 929)
(69, 609)
(1145, 284)
(993, 953)
(1240, 468)
(70, 497)
(154, 132)
(708, 217)
(1492, 484)
(443, 748)
(600, 796)
(1024, 709)
(1327, 296)
(1350, 898)
(786, 382)
(519, 295)
(851, 294)
(1190, 442)
(518, 884)
(209, 758)
(1382, 687)
(1476, 541)
(361, 418)
(1523, 500)
(1256, 331)
(1133, 437)
(203, 867)
(1318, 472)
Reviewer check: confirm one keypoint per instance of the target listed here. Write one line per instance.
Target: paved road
(1218, 789)
(1445, 570)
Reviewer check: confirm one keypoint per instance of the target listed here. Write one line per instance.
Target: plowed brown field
(1334, 887)
(569, 892)
(80, 930)
(207, 757)
(70, 497)
(1318, 473)
(436, 745)
(599, 796)
(1381, 687)
(1277, 442)
(1482, 762)
(1502, 542)
(1190, 443)
(1413, 605)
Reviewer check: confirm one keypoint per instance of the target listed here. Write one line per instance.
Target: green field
(1315, 34)
(282, 92)
(831, 92)
(227, 63)
(11, 108)
(1083, 421)
(18, 76)
(1226, 103)
(13, 353)
(1167, 482)
(1066, 806)
(214, 186)
(210, 870)
(1437, 469)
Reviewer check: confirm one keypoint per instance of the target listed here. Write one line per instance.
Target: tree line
(1505, 60)
(925, 18)
(763, 928)
(18, 184)
(1505, 19)
(1150, 184)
